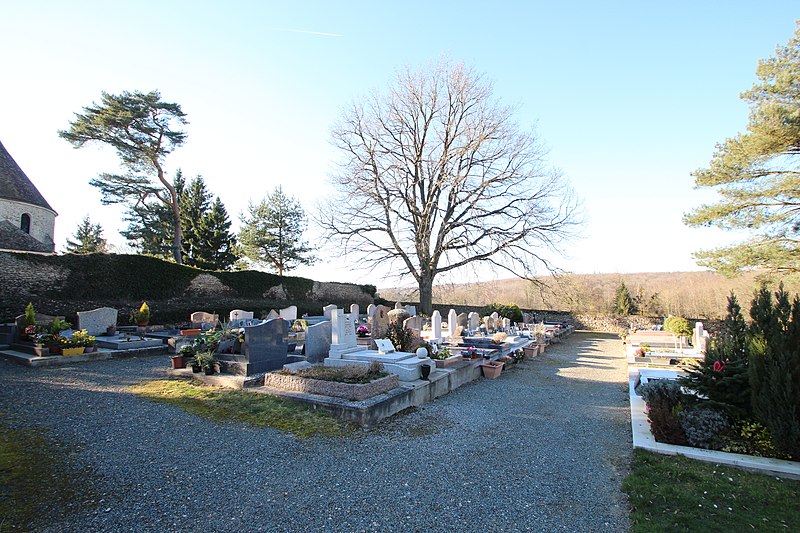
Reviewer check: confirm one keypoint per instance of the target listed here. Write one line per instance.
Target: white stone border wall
(643, 438)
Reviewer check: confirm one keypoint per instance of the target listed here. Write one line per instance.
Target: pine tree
(623, 302)
(215, 244)
(88, 239)
(775, 367)
(272, 234)
(723, 375)
(195, 202)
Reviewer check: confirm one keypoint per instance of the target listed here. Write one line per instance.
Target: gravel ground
(542, 448)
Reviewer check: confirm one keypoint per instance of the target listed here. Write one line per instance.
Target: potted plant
(180, 359)
(82, 338)
(206, 361)
(70, 346)
(491, 369)
(362, 331)
(142, 316)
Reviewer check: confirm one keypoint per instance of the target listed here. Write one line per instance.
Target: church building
(27, 222)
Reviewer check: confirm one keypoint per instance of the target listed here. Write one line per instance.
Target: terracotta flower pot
(178, 362)
(491, 369)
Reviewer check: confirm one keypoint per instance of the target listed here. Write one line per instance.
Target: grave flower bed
(353, 383)
(740, 398)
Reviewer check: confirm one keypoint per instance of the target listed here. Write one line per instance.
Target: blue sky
(630, 97)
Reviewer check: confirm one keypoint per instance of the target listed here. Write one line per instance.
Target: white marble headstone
(354, 312)
(328, 310)
(237, 314)
(288, 313)
(474, 320)
(452, 322)
(370, 309)
(436, 324)
(97, 321)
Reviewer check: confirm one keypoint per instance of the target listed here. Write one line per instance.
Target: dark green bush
(401, 336)
(510, 311)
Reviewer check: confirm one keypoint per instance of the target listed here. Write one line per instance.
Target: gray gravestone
(318, 341)
(452, 323)
(463, 320)
(264, 349)
(414, 323)
(328, 310)
(97, 321)
(398, 305)
(370, 309)
(288, 313)
(436, 324)
(272, 314)
(398, 316)
(411, 310)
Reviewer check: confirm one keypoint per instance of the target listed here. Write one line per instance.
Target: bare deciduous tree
(438, 176)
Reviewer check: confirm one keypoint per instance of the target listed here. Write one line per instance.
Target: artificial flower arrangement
(362, 331)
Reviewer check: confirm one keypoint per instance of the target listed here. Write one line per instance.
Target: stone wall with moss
(65, 284)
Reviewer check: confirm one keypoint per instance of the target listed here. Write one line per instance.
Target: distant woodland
(699, 295)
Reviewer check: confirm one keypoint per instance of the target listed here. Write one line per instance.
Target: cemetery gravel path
(542, 448)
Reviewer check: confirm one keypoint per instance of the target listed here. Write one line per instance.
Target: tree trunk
(426, 294)
(176, 213)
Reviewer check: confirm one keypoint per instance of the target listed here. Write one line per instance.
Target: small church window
(25, 223)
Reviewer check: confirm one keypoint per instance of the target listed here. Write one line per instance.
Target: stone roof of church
(13, 238)
(15, 185)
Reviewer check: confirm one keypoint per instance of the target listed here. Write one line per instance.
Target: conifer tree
(272, 233)
(723, 375)
(623, 302)
(88, 239)
(215, 247)
(775, 367)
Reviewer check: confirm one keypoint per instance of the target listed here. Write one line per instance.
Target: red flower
(719, 366)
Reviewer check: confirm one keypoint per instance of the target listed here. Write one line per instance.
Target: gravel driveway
(542, 448)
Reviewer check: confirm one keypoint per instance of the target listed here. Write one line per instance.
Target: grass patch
(673, 493)
(228, 405)
(38, 485)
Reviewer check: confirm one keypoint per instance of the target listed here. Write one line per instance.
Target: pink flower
(719, 366)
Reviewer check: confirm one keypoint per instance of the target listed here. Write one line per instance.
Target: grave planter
(72, 351)
(491, 369)
(194, 332)
(41, 350)
(348, 391)
(178, 362)
(450, 361)
(531, 350)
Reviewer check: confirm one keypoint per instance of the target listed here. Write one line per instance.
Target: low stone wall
(348, 391)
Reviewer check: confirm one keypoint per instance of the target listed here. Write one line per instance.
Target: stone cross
(436, 324)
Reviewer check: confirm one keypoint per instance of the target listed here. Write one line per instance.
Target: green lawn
(229, 405)
(38, 483)
(673, 493)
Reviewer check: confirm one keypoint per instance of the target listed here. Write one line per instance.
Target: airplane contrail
(324, 34)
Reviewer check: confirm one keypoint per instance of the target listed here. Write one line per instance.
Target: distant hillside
(691, 294)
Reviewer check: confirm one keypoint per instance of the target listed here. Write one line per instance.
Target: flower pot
(425, 370)
(55, 349)
(209, 371)
(111, 331)
(41, 350)
(90, 349)
(178, 362)
(196, 369)
(491, 369)
(72, 351)
(194, 332)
